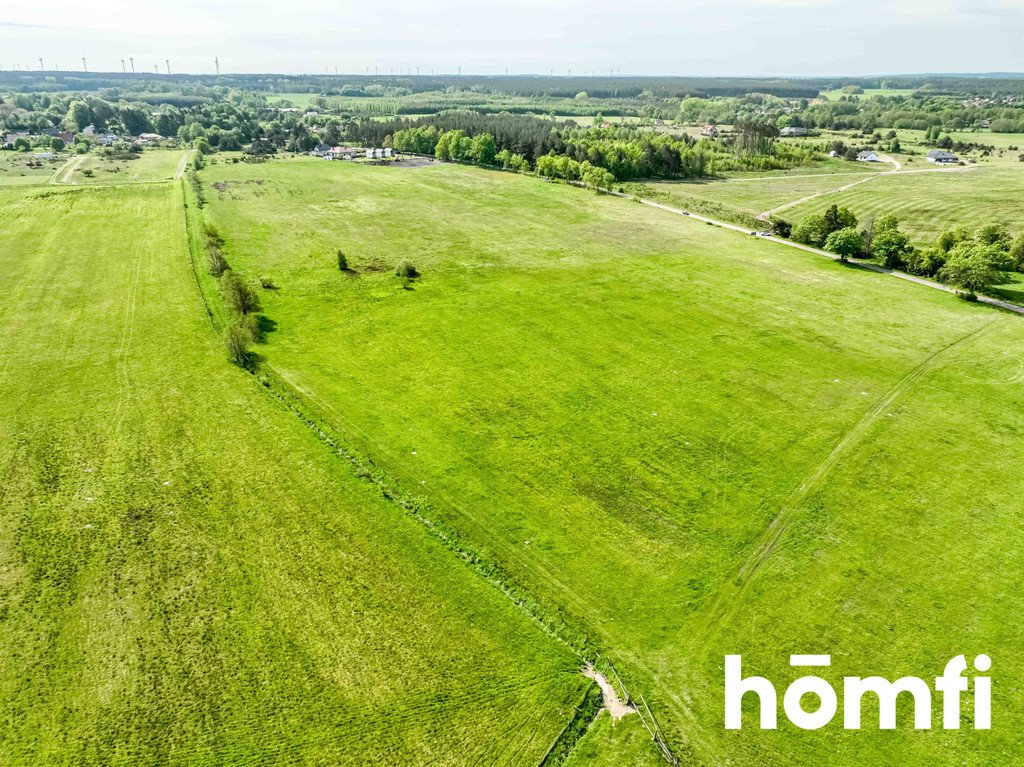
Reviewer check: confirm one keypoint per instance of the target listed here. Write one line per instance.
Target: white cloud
(699, 37)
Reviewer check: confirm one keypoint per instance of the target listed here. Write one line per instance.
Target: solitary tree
(813, 230)
(599, 178)
(342, 261)
(845, 243)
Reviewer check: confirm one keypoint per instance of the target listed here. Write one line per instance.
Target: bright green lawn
(929, 203)
(187, 576)
(617, 403)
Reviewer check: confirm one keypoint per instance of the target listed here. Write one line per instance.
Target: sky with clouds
(684, 37)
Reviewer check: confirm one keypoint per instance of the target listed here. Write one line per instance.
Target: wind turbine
(168, 63)
(85, 68)
(132, 60)
(40, 63)
(123, 68)
(216, 63)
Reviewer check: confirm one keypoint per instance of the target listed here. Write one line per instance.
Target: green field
(929, 203)
(685, 441)
(188, 575)
(15, 170)
(743, 199)
(150, 165)
(836, 94)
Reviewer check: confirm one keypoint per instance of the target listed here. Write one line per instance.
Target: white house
(867, 155)
(107, 139)
(89, 130)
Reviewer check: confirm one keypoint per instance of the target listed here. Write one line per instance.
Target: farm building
(65, 136)
(709, 130)
(794, 130)
(942, 157)
(868, 155)
(328, 152)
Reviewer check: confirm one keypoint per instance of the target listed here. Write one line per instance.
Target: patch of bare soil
(615, 705)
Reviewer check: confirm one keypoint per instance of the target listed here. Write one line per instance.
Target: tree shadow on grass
(266, 325)
(1011, 290)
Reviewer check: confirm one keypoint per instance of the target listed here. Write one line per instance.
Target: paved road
(818, 252)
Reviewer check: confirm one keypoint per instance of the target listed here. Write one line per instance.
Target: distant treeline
(599, 87)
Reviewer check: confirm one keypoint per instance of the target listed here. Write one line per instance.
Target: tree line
(971, 259)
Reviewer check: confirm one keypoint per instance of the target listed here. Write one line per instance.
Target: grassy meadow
(686, 441)
(16, 171)
(742, 199)
(188, 575)
(929, 203)
(151, 165)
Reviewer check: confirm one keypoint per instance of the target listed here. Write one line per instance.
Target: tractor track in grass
(65, 172)
(124, 381)
(182, 164)
(728, 598)
(897, 171)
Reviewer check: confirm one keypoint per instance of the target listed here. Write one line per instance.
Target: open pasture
(152, 164)
(686, 441)
(929, 203)
(188, 576)
(21, 169)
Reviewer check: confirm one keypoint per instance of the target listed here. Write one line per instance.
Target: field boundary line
(577, 642)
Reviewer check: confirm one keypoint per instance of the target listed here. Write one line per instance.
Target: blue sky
(685, 37)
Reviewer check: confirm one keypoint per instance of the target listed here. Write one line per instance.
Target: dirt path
(182, 164)
(64, 173)
(870, 177)
(768, 213)
(615, 705)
